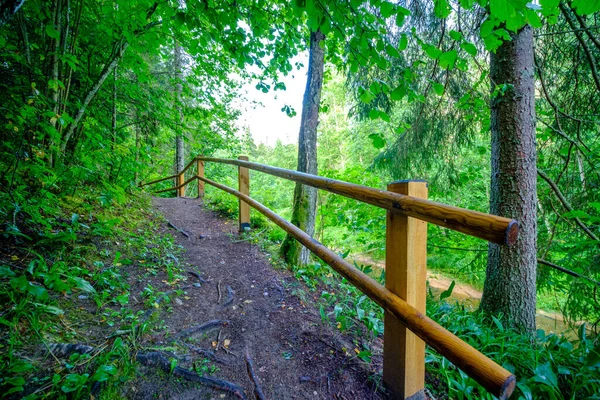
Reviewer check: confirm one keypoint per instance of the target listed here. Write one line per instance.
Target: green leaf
(469, 48)
(38, 291)
(387, 9)
(52, 32)
(6, 272)
(501, 9)
(104, 373)
(403, 42)
(366, 96)
(365, 355)
(439, 88)
(398, 93)
(487, 27)
(373, 113)
(59, 237)
(21, 283)
(400, 19)
(441, 8)
(448, 59)
(73, 382)
(83, 285)
(455, 35)
(432, 51)
(378, 141)
(533, 19)
(545, 374)
(391, 51)
(585, 7)
(49, 309)
(593, 357)
(448, 292)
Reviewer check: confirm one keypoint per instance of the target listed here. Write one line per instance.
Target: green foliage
(549, 366)
(83, 254)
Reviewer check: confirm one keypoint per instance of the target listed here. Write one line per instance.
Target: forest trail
(295, 355)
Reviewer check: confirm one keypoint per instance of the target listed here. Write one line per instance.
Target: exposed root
(207, 354)
(258, 393)
(218, 340)
(212, 324)
(157, 359)
(230, 296)
(184, 233)
(66, 349)
(197, 276)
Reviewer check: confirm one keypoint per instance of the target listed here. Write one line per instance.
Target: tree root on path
(212, 324)
(197, 276)
(258, 393)
(230, 295)
(184, 233)
(66, 349)
(207, 354)
(157, 359)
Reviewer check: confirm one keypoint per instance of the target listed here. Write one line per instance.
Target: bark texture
(179, 144)
(305, 198)
(510, 284)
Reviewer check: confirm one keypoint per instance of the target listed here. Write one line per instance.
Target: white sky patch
(262, 114)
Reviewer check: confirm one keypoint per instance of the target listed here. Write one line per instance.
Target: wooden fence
(406, 327)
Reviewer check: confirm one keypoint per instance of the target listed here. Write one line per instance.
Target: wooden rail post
(244, 187)
(180, 180)
(405, 275)
(200, 173)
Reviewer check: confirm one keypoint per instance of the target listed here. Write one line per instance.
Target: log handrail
(170, 177)
(485, 371)
(482, 369)
(484, 226)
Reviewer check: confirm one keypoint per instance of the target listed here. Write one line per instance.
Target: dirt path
(295, 355)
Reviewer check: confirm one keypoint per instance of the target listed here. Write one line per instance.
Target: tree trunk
(179, 143)
(121, 46)
(510, 284)
(113, 127)
(305, 198)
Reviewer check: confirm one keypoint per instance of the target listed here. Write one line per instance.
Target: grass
(71, 286)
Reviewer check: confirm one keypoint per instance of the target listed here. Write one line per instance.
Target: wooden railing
(406, 327)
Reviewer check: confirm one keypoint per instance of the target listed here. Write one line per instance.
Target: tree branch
(566, 204)
(566, 271)
(586, 49)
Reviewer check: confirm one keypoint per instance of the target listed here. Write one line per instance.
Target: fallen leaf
(226, 343)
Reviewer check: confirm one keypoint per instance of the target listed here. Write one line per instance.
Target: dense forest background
(99, 96)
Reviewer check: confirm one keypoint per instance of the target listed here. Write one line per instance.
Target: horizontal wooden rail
(169, 177)
(486, 372)
(484, 226)
(178, 186)
(158, 180)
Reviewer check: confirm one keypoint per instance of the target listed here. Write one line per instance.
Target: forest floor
(239, 304)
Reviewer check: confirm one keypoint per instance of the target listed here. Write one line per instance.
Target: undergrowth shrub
(64, 248)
